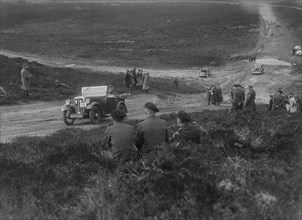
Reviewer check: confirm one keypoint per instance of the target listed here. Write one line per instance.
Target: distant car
(95, 103)
(258, 69)
(204, 72)
(297, 51)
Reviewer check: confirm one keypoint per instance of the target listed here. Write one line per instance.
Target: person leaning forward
(152, 131)
(120, 137)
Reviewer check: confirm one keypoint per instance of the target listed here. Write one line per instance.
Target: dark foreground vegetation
(44, 88)
(246, 167)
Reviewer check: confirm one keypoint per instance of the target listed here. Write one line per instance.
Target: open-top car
(94, 103)
(204, 72)
(258, 69)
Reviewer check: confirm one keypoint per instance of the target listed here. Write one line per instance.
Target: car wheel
(122, 108)
(95, 115)
(66, 118)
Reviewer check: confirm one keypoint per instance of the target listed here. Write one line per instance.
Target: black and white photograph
(150, 109)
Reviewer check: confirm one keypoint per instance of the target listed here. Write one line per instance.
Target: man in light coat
(25, 79)
(146, 82)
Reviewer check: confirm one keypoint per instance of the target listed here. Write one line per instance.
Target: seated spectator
(188, 131)
(119, 137)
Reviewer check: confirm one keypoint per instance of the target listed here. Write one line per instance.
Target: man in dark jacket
(249, 104)
(120, 137)
(152, 131)
(188, 131)
(237, 98)
(279, 101)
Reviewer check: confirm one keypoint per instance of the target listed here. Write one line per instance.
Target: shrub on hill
(246, 167)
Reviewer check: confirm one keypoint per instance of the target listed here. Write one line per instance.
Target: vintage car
(94, 103)
(204, 72)
(258, 69)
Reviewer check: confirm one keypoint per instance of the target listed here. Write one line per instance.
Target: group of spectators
(126, 143)
(241, 100)
(135, 77)
(281, 102)
(214, 95)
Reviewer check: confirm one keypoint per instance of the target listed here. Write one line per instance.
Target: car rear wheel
(66, 118)
(122, 108)
(95, 115)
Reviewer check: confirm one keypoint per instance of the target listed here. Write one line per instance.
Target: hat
(250, 86)
(184, 116)
(118, 114)
(151, 106)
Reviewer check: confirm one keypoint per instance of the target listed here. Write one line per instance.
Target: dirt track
(44, 118)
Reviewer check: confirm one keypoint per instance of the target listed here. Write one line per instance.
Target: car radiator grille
(78, 108)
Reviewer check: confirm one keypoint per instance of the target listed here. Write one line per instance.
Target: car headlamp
(87, 101)
(67, 102)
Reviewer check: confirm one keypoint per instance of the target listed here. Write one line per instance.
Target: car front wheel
(95, 115)
(66, 118)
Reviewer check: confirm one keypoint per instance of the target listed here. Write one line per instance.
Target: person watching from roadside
(249, 104)
(25, 79)
(152, 131)
(237, 98)
(188, 131)
(119, 138)
(279, 101)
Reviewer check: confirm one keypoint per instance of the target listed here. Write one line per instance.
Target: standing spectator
(25, 79)
(127, 79)
(146, 82)
(175, 83)
(209, 94)
(214, 95)
(249, 104)
(188, 131)
(292, 104)
(237, 98)
(243, 96)
(120, 137)
(152, 131)
(279, 101)
(270, 103)
(219, 94)
(134, 79)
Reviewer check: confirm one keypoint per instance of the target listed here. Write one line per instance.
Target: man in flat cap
(279, 101)
(120, 137)
(152, 131)
(249, 104)
(188, 131)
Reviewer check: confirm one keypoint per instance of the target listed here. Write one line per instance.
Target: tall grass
(246, 167)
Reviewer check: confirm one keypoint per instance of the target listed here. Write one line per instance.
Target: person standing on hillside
(292, 104)
(209, 94)
(25, 79)
(219, 94)
(120, 138)
(146, 82)
(243, 96)
(236, 98)
(249, 104)
(188, 131)
(127, 79)
(279, 101)
(152, 131)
